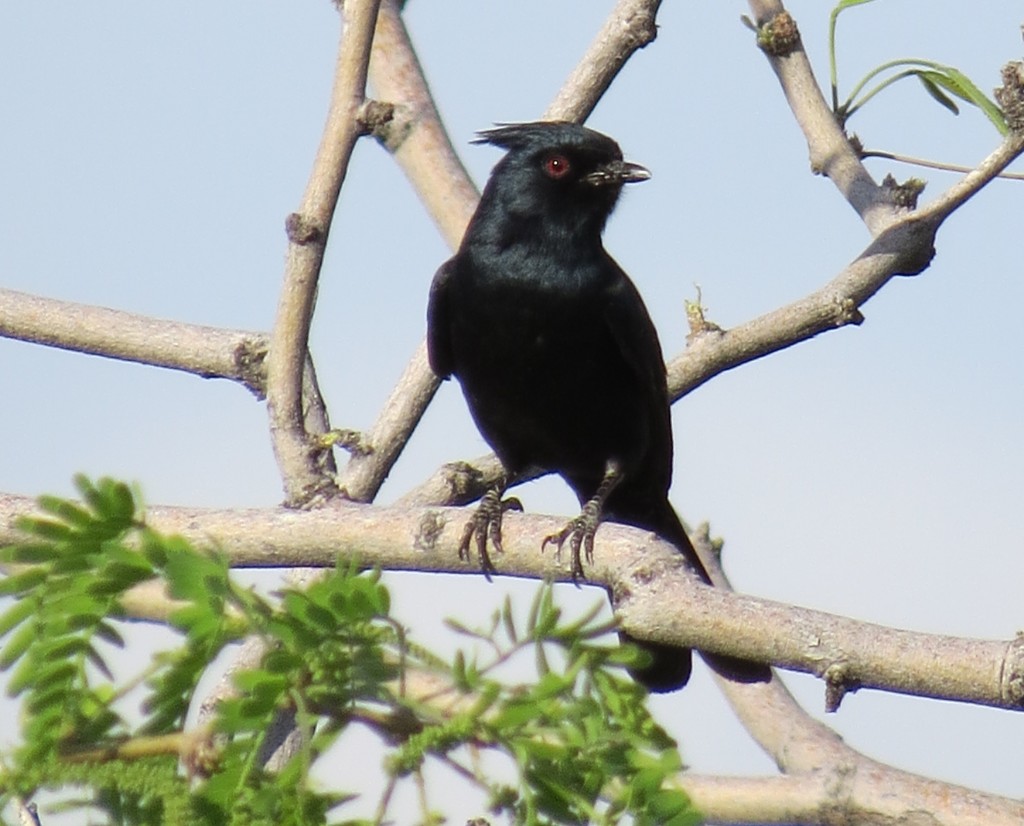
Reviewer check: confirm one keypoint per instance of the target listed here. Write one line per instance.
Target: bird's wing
(634, 334)
(633, 331)
(439, 344)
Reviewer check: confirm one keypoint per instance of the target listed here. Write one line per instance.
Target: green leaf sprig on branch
(943, 83)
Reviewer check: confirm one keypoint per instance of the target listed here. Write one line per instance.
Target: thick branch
(415, 136)
(830, 152)
(417, 139)
(656, 595)
(630, 26)
(860, 792)
(826, 781)
(300, 460)
(210, 352)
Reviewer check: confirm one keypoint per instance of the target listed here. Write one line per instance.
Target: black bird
(556, 354)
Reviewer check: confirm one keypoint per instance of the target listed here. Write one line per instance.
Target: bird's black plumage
(557, 356)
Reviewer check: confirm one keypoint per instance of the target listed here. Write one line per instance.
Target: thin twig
(975, 180)
(941, 165)
(419, 143)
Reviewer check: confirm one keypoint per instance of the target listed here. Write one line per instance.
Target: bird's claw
(580, 534)
(484, 525)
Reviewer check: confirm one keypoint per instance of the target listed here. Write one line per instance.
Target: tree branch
(630, 26)
(365, 473)
(830, 151)
(210, 352)
(856, 792)
(415, 136)
(903, 248)
(302, 461)
(826, 781)
(655, 594)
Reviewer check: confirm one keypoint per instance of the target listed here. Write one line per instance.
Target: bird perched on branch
(556, 354)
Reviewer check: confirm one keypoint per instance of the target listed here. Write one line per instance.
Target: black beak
(616, 173)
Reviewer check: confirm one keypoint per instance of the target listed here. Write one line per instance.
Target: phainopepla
(556, 354)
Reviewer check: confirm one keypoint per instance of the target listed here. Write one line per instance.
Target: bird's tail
(670, 666)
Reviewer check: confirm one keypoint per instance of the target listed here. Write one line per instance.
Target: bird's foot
(484, 525)
(580, 534)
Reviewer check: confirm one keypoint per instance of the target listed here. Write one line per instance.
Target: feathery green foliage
(578, 739)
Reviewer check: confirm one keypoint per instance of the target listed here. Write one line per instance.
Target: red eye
(556, 166)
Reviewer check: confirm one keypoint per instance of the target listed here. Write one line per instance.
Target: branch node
(315, 495)
(352, 441)
(847, 312)
(463, 480)
(641, 29)
(400, 124)
(838, 683)
(779, 36)
(1013, 671)
(1010, 96)
(250, 357)
(375, 118)
(903, 195)
(303, 230)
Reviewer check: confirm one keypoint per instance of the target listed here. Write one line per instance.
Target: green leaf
(16, 614)
(109, 499)
(18, 644)
(673, 806)
(31, 553)
(189, 574)
(108, 633)
(79, 610)
(509, 620)
(459, 628)
(44, 697)
(957, 83)
(54, 673)
(62, 648)
(282, 662)
(47, 529)
(22, 582)
(308, 612)
(932, 88)
(66, 511)
(514, 715)
(127, 572)
(263, 691)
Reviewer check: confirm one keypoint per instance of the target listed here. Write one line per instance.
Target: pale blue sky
(150, 153)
